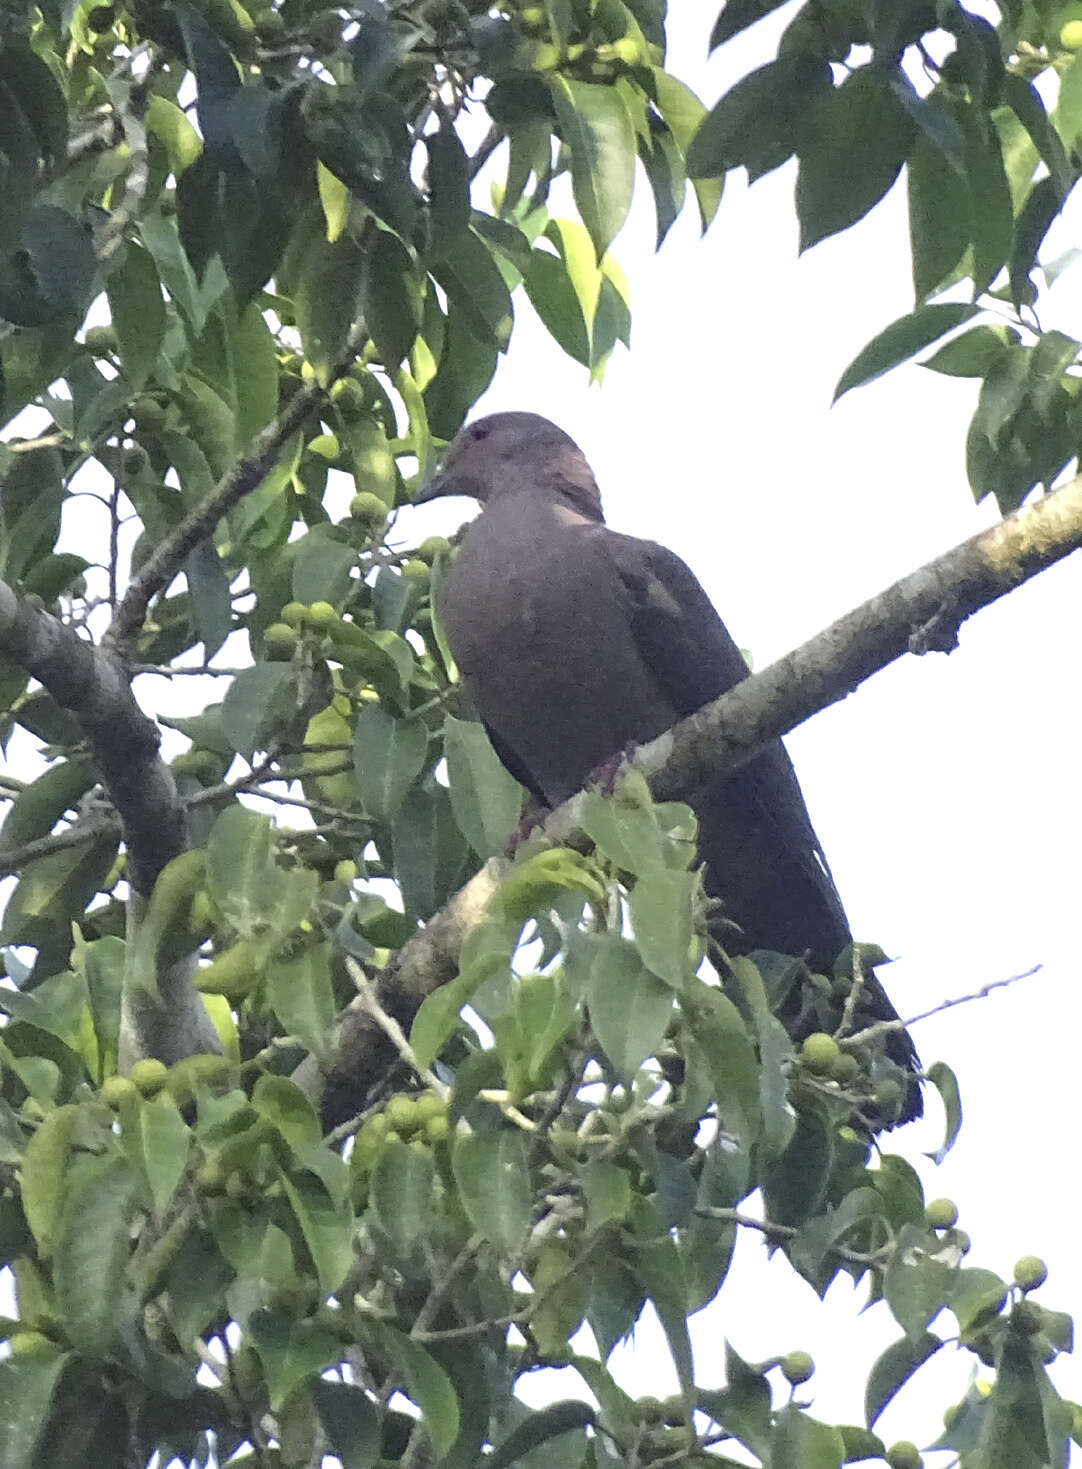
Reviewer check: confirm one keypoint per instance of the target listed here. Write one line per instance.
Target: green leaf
(800, 1442)
(292, 1352)
(901, 340)
(856, 141)
(917, 1285)
(939, 226)
(683, 114)
(541, 1427)
(743, 1406)
(389, 296)
(737, 15)
(167, 122)
(448, 189)
(757, 124)
(300, 993)
(607, 1190)
(388, 756)
(494, 1185)
(731, 1054)
(288, 1110)
(1025, 1424)
(212, 606)
(629, 1007)
(659, 1269)
(327, 297)
(40, 804)
(157, 1142)
(1067, 118)
(660, 907)
(27, 1397)
(138, 313)
(401, 1190)
(991, 210)
(976, 1295)
(92, 1248)
(1025, 102)
(44, 1171)
(254, 372)
(475, 286)
(598, 131)
(973, 353)
(240, 865)
(426, 1384)
(325, 1222)
(54, 890)
(321, 567)
(257, 701)
(486, 799)
(1031, 226)
(429, 850)
(946, 1084)
(551, 293)
(350, 1421)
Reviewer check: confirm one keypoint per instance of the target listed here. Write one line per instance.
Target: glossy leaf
(758, 123)
(660, 907)
(388, 756)
(856, 141)
(350, 1421)
(901, 340)
(292, 1352)
(400, 1191)
(91, 1254)
(946, 1084)
(388, 296)
(494, 1185)
(737, 15)
(629, 1006)
(800, 1442)
(917, 1284)
(138, 313)
(597, 129)
(486, 800)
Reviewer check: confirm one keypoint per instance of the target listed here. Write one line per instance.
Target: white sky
(944, 790)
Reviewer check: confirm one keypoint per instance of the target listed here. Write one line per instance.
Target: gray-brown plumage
(575, 641)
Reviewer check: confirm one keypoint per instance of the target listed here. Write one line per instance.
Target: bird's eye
(478, 432)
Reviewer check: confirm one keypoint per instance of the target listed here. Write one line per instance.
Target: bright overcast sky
(944, 790)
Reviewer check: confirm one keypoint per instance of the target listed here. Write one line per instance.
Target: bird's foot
(534, 817)
(607, 775)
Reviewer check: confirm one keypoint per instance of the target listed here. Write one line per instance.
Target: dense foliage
(240, 259)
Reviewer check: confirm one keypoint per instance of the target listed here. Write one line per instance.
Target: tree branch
(919, 614)
(124, 743)
(239, 480)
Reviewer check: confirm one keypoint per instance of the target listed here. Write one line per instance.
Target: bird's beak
(438, 484)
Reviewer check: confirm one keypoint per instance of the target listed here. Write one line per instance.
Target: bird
(576, 642)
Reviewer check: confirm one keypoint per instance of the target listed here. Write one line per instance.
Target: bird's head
(514, 451)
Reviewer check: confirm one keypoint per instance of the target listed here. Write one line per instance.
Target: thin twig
(366, 993)
(888, 1027)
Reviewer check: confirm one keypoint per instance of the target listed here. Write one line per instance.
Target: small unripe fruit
(820, 1052)
(1070, 36)
(101, 339)
(149, 1075)
(434, 546)
(846, 1069)
(279, 642)
(148, 413)
(345, 871)
(941, 1214)
(211, 1178)
(293, 614)
(348, 397)
(30, 1344)
(321, 616)
(888, 1096)
(118, 1090)
(402, 1115)
(437, 1128)
(1030, 1272)
(430, 1105)
(796, 1367)
(904, 1455)
(417, 572)
(368, 508)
